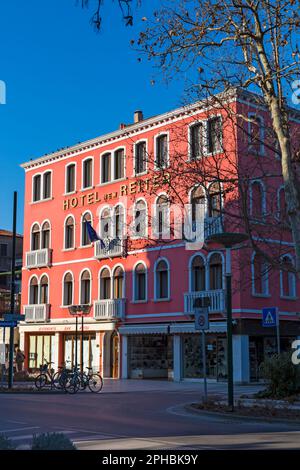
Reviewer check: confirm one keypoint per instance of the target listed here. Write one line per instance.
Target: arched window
(196, 140)
(214, 200)
(35, 237)
(85, 239)
(281, 206)
(140, 219)
(198, 274)
(105, 222)
(118, 283)
(87, 173)
(257, 209)
(140, 157)
(162, 281)
(44, 290)
(260, 275)
(47, 182)
(46, 235)
(162, 216)
(119, 164)
(198, 205)
(256, 134)
(37, 185)
(287, 278)
(161, 159)
(215, 272)
(69, 233)
(68, 289)
(106, 168)
(85, 288)
(34, 291)
(105, 284)
(70, 178)
(119, 221)
(139, 289)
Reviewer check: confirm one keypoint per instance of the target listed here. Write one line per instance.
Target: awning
(214, 327)
(144, 329)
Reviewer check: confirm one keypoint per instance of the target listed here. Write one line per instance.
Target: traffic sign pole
(204, 365)
(278, 335)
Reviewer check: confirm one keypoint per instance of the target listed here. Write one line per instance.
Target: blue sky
(66, 84)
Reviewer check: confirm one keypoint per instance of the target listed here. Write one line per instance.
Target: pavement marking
(20, 429)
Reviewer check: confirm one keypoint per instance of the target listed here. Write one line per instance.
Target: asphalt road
(154, 419)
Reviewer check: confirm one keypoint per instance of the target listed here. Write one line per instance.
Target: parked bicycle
(78, 380)
(47, 377)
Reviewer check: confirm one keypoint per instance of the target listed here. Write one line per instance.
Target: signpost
(201, 324)
(270, 319)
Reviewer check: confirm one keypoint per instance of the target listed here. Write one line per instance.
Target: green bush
(52, 441)
(6, 443)
(282, 375)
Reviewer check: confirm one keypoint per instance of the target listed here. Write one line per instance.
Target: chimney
(122, 126)
(138, 116)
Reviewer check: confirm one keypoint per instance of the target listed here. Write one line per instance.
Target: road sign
(8, 324)
(270, 317)
(13, 317)
(201, 319)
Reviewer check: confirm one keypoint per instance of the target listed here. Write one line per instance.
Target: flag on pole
(93, 235)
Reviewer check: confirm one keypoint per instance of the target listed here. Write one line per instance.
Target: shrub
(52, 441)
(282, 375)
(6, 443)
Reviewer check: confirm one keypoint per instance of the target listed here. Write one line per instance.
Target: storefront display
(216, 359)
(41, 347)
(150, 356)
(89, 350)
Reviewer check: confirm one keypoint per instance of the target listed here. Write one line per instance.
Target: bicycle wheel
(57, 380)
(84, 380)
(41, 381)
(72, 384)
(95, 383)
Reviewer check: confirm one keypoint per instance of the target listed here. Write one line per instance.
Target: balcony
(113, 248)
(37, 313)
(217, 300)
(38, 258)
(213, 226)
(110, 309)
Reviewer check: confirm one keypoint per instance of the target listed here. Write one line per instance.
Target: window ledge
(89, 188)
(143, 173)
(261, 295)
(66, 250)
(139, 301)
(86, 246)
(71, 193)
(42, 200)
(162, 300)
(288, 297)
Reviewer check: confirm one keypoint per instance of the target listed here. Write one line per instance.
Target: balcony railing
(36, 313)
(111, 309)
(112, 248)
(213, 226)
(38, 258)
(217, 300)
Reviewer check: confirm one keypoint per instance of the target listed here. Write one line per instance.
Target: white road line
(19, 429)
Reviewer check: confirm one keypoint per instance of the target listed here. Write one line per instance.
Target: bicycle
(91, 380)
(47, 377)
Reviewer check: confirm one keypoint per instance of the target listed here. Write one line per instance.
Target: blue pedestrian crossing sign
(270, 317)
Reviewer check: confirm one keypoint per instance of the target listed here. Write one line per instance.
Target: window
(105, 287)
(69, 233)
(118, 283)
(198, 205)
(71, 178)
(37, 183)
(119, 222)
(162, 280)
(162, 151)
(196, 140)
(139, 288)
(257, 210)
(119, 164)
(215, 272)
(44, 290)
(47, 177)
(256, 134)
(85, 288)
(260, 276)
(214, 132)
(281, 205)
(287, 278)
(140, 157)
(140, 219)
(85, 239)
(34, 291)
(3, 250)
(215, 200)
(35, 237)
(105, 168)
(198, 274)
(68, 289)
(105, 222)
(87, 180)
(46, 235)
(162, 216)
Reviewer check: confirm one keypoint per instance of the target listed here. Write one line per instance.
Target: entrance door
(115, 345)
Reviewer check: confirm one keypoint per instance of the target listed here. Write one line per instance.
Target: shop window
(70, 178)
(85, 286)
(41, 347)
(69, 233)
(140, 282)
(46, 235)
(118, 283)
(119, 163)
(105, 284)
(140, 157)
(87, 169)
(68, 289)
(162, 280)
(198, 274)
(215, 272)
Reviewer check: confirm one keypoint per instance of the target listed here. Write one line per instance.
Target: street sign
(201, 319)
(269, 317)
(8, 324)
(13, 317)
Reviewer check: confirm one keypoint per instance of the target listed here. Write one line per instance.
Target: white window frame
(261, 132)
(99, 282)
(90, 157)
(203, 123)
(206, 135)
(113, 167)
(168, 298)
(134, 236)
(160, 134)
(266, 293)
(81, 229)
(134, 300)
(74, 238)
(110, 152)
(63, 289)
(134, 157)
(91, 285)
(66, 193)
(294, 284)
(264, 200)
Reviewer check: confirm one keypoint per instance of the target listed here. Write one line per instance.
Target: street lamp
(228, 240)
(79, 310)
